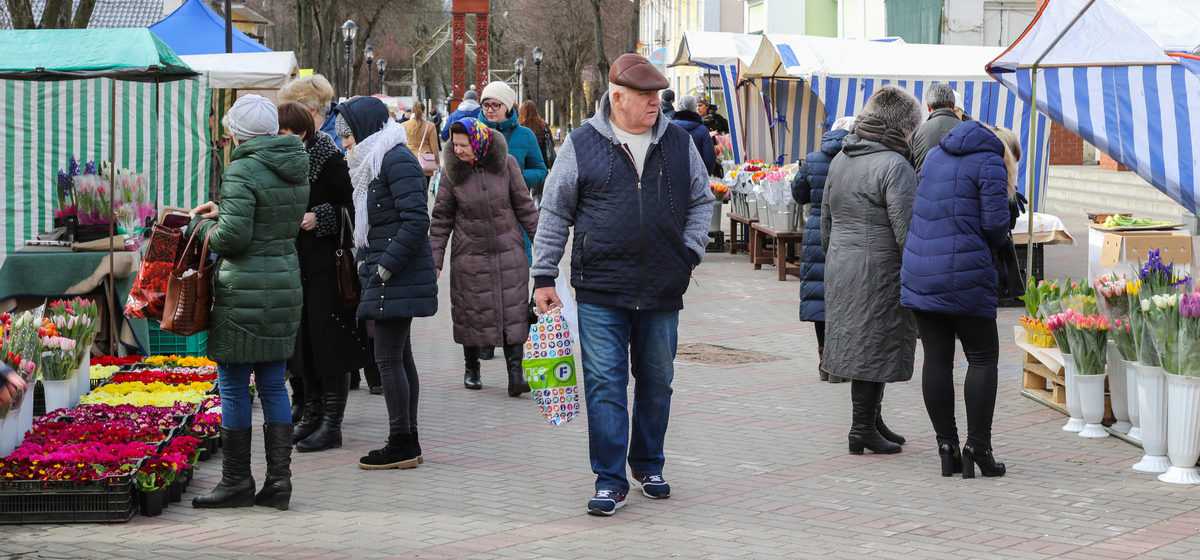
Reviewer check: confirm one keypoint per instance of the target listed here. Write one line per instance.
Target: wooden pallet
(1042, 376)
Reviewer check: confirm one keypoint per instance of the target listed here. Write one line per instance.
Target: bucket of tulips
(77, 319)
(1089, 346)
(59, 365)
(1155, 317)
(1183, 395)
(1057, 324)
(1114, 302)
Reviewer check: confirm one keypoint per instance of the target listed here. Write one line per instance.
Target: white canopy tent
(727, 54)
(242, 71)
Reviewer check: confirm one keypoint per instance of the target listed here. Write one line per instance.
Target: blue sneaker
(606, 502)
(653, 486)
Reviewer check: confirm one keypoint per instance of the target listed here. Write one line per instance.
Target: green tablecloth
(59, 273)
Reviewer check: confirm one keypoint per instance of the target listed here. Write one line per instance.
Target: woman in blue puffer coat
(949, 279)
(807, 188)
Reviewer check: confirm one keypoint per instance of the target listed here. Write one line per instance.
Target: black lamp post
(349, 32)
(369, 56)
(381, 64)
(537, 64)
(520, 66)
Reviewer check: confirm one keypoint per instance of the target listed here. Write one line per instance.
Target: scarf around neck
(875, 129)
(365, 161)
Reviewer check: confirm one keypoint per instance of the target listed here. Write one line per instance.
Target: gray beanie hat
(251, 116)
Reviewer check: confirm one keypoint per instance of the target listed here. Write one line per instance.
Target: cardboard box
(1133, 247)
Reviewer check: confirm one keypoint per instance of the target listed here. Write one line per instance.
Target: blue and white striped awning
(724, 54)
(1124, 95)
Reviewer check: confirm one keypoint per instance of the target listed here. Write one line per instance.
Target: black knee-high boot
(236, 488)
(863, 432)
(333, 401)
(513, 354)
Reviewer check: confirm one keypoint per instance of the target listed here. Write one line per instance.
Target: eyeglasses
(493, 106)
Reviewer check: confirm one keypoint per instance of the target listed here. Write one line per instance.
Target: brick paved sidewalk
(756, 456)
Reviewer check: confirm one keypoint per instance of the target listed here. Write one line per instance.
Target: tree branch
(83, 14)
(21, 14)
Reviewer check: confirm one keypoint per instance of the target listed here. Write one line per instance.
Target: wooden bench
(736, 223)
(777, 255)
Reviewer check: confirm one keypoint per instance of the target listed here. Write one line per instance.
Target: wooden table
(745, 223)
(760, 255)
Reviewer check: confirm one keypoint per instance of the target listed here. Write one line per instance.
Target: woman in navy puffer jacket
(949, 280)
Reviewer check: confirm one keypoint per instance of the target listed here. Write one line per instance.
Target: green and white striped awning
(162, 129)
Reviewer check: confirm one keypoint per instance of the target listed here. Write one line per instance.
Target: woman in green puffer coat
(257, 297)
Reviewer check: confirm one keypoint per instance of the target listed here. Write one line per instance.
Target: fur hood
(495, 161)
(896, 108)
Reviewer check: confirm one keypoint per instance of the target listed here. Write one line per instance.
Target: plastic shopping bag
(552, 361)
(149, 292)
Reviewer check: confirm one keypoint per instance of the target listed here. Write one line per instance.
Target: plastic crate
(110, 501)
(165, 343)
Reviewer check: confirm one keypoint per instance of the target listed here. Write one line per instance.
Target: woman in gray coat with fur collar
(870, 339)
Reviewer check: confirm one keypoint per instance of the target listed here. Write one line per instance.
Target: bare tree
(56, 14)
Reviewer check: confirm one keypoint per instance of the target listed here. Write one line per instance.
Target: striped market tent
(805, 83)
(725, 55)
(1130, 95)
(95, 94)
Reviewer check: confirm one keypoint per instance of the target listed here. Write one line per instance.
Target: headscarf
(480, 136)
(251, 116)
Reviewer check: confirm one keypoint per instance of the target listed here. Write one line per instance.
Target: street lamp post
(349, 33)
(520, 66)
(369, 56)
(537, 64)
(381, 64)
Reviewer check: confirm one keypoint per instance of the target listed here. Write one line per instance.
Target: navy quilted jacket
(807, 188)
(960, 214)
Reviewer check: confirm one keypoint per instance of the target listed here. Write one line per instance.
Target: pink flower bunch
(110, 455)
(1056, 322)
(1097, 323)
(1189, 305)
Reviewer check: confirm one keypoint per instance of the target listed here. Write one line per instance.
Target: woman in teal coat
(257, 297)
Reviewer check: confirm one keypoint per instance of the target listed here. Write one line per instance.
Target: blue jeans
(233, 380)
(611, 339)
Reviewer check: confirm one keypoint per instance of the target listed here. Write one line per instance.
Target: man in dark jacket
(712, 119)
(940, 101)
(468, 108)
(668, 104)
(688, 119)
(636, 191)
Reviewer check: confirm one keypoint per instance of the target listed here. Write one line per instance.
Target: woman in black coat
(395, 263)
(330, 342)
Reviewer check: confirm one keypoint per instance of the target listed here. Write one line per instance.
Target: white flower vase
(83, 378)
(1152, 408)
(1116, 390)
(1075, 421)
(1131, 392)
(58, 393)
(8, 433)
(1183, 430)
(1090, 389)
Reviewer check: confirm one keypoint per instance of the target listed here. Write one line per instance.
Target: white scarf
(365, 159)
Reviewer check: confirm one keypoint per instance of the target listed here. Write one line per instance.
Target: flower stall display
(1089, 345)
(1033, 321)
(77, 319)
(1183, 395)
(148, 394)
(1110, 292)
(1057, 324)
(117, 361)
(83, 193)
(59, 365)
(18, 350)
(166, 377)
(181, 361)
(1154, 312)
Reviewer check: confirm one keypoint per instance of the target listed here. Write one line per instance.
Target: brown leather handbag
(348, 286)
(189, 289)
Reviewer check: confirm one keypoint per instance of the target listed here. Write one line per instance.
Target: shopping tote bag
(552, 364)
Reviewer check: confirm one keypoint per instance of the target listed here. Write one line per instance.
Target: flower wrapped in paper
(1089, 342)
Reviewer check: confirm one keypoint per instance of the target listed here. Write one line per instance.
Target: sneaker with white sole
(606, 502)
(654, 486)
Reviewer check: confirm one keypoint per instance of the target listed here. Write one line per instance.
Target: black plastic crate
(109, 501)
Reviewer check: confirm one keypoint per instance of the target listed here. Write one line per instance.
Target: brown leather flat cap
(634, 71)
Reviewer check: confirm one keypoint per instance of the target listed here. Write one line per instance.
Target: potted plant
(1058, 328)
(58, 366)
(1089, 346)
(1155, 280)
(153, 478)
(1183, 398)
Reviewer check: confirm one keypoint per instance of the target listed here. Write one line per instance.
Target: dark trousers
(819, 326)
(398, 374)
(981, 344)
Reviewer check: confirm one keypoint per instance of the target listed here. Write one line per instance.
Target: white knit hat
(250, 116)
(501, 92)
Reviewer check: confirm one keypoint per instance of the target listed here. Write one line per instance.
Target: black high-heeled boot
(513, 355)
(864, 435)
(952, 461)
(988, 466)
(277, 487)
(236, 488)
(329, 434)
(471, 368)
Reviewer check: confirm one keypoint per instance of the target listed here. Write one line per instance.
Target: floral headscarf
(479, 135)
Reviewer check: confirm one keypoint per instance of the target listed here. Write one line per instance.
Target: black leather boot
(988, 466)
(236, 488)
(277, 487)
(471, 372)
(863, 434)
(884, 431)
(487, 353)
(952, 461)
(513, 354)
(329, 433)
(311, 419)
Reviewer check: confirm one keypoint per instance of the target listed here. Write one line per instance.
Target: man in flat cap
(636, 191)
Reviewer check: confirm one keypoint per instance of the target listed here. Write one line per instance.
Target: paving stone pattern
(756, 455)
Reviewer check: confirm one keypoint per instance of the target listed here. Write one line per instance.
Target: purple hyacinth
(89, 168)
(73, 170)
